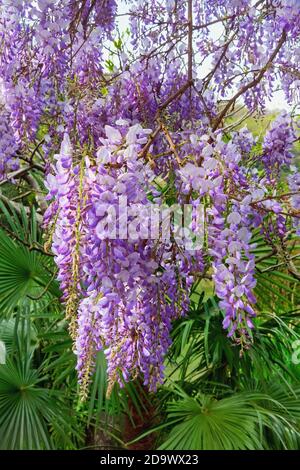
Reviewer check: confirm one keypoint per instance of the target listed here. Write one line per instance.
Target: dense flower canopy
(146, 115)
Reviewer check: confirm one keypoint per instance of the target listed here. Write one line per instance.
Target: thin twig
(283, 263)
(151, 138)
(266, 256)
(170, 142)
(15, 174)
(31, 247)
(45, 288)
(292, 193)
(251, 84)
(190, 40)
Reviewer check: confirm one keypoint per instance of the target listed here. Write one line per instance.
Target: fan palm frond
(28, 411)
(22, 273)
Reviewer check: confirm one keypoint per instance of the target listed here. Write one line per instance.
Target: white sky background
(278, 102)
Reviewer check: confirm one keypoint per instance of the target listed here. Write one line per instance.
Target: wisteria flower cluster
(8, 147)
(121, 292)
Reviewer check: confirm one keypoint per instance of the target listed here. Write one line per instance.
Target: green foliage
(28, 411)
(207, 423)
(24, 270)
(244, 420)
(32, 415)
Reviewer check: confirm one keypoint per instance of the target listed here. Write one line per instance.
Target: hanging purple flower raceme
(294, 186)
(132, 287)
(8, 147)
(277, 145)
(228, 228)
(234, 269)
(65, 184)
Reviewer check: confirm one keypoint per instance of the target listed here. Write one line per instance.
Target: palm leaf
(22, 273)
(205, 423)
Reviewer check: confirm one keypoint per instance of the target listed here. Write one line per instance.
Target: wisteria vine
(146, 117)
